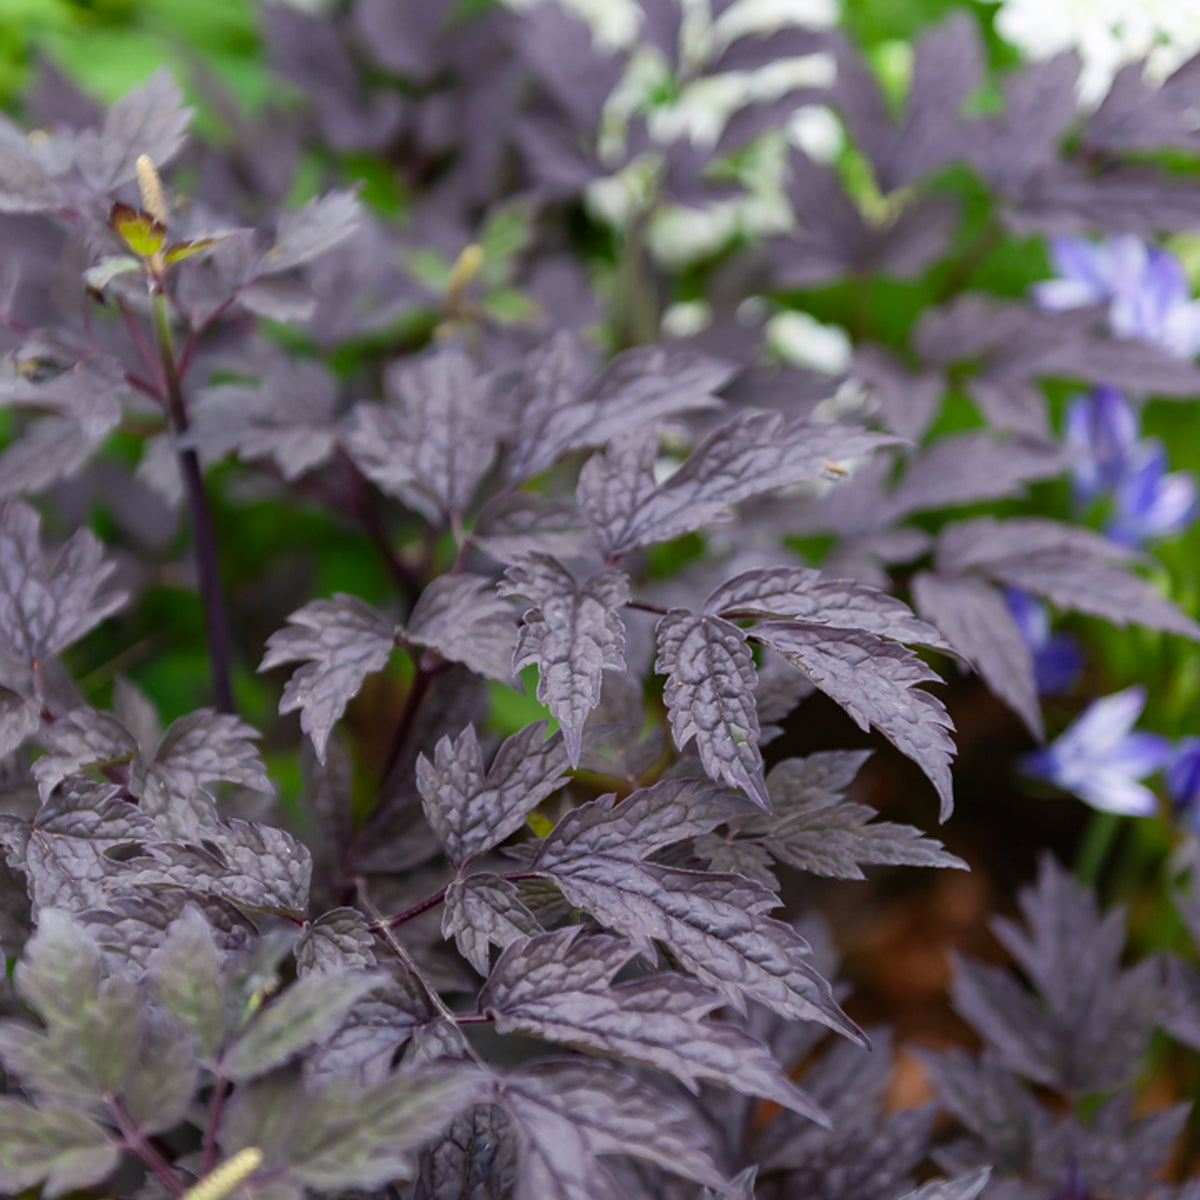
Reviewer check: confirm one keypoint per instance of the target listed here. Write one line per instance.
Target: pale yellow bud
(216, 1185)
(151, 188)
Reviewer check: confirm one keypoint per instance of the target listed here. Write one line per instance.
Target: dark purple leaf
(434, 440)
(561, 409)
(49, 601)
(567, 1114)
(340, 642)
(816, 829)
(875, 681)
(802, 594)
(1071, 567)
(464, 620)
(256, 867)
(149, 119)
(475, 1159)
(975, 617)
(947, 69)
(752, 454)
(1140, 114)
(318, 227)
(709, 695)
(968, 467)
(715, 925)
(573, 635)
(473, 810)
(482, 911)
(289, 419)
(558, 987)
(337, 942)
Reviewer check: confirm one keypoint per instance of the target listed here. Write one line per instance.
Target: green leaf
(307, 1012)
(107, 269)
(185, 976)
(139, 230)
(335, 1137)
(57, 1144)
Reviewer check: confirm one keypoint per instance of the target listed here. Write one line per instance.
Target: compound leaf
(433, 442)
(752, 454)
(558, 987)
(816, 829)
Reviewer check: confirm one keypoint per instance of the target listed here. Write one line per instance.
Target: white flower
(804, 342)
(1106, 33)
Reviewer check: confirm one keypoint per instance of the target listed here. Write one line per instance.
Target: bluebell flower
(1057, 657)
(1183, 779)
(1101, 432)
(1144, 288)
(1148, 501)
(1101, 757)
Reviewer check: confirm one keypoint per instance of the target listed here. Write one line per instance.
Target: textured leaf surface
(204, 747)
(801, 593)
(753, 454)
(816, 829)
(558, 987)
(47, 602)
(475, 1159)
(573, 635)
(567, 1114)
(256, 867)
(485, 910)
(340, 642)
(561, 410)
(471, 809)
(462, 618)
(714, 924)
(875, 681)
(435, 439)
(710, 697)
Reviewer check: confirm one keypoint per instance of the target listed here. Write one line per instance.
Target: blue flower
(1101, 432)
(1183, 779)
(1101, 757)
(1148, 501)
(1144, 287)
(1057, 657)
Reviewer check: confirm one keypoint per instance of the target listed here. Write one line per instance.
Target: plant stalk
(216, 622)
